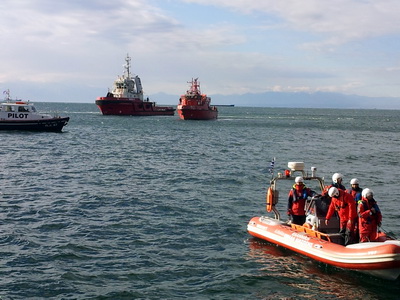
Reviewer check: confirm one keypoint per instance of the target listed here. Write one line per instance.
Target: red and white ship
(321, 242)
(196, 106)
(126, 98)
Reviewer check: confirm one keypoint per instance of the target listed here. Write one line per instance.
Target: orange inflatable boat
(321, 242)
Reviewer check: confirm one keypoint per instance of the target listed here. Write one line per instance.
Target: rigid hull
(380, 259)
(131, 107)
(54, 124)
(193, 113)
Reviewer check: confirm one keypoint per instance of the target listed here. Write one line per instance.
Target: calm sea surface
(157, 208)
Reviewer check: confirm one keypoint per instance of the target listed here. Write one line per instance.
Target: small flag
(272, 166)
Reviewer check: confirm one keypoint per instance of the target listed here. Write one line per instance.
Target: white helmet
(298, 179)
(354, 181)
(367, 192)
(336, 176)
(333, 192)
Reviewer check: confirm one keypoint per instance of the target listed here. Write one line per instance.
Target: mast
(7, 97)
(127, 66)
(194, 87)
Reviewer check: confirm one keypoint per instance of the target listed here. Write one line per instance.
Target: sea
(121, 207)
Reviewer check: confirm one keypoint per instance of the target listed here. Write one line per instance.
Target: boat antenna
(7, 97)
(128, 65)
(194, 87)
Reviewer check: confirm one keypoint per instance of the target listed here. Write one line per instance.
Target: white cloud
(336, 22)
(71, 36)
(256, 46)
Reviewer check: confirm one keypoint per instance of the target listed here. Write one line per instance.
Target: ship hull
(131, 107)
(381, 259)
(197, 114)
(48, 125)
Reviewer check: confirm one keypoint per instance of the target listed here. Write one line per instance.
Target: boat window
(33, 109)
(9, 108)
(23, 109)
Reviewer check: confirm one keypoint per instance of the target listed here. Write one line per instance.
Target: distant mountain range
(300, 99)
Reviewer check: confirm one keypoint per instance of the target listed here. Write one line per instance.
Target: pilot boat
(126, 98)
(315, 239)
(22, 115)
(196, 106)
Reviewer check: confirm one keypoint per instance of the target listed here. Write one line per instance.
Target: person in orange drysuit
(369, 216)
(345, 205)
(297, 201)
(355, 191)
(337, 180)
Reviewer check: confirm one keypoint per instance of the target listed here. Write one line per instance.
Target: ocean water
(157, 208)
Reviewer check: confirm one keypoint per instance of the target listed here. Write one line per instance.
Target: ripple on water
(143, 208)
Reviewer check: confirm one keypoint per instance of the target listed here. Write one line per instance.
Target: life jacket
(356, 193)
(327, 187)
(368, 223)
(303, 195)
(297, 199)
(342, 206)
(367, 206)
(339, 186)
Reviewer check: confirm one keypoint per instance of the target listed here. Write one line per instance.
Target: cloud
(69, 36)
(46, 36)
(233, 46)
(333, 22)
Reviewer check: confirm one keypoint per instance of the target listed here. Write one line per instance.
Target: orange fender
(270, 199)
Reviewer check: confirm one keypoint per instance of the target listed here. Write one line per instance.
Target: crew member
(355, 192)
(337, 179)
(345, 206)
(369, 216)
(355, 189)
(297, 201)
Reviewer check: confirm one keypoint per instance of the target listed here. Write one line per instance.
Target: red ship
(196, 106)
(126, 98)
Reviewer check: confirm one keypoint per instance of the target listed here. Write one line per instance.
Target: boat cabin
(17, 107)
(19, 111)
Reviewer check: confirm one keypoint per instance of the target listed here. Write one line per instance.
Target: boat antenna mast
(127, 66)
(7, 93)
(195, 86)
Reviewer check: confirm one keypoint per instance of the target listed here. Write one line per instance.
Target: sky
(73, 50)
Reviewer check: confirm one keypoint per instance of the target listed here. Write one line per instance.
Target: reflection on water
(310, 279)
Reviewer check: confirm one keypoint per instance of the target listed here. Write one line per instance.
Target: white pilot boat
(22, 115)
(318, 241)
